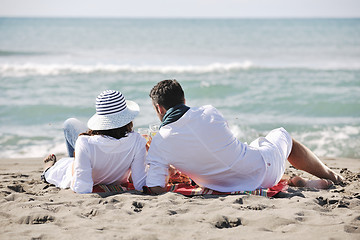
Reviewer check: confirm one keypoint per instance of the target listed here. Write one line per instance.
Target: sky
(182, 8)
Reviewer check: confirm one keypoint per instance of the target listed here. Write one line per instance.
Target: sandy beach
(31, 209)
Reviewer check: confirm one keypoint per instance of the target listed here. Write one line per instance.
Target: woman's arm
(138, 173)
(82, 181)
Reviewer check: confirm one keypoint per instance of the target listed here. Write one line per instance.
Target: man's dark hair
(167, 93)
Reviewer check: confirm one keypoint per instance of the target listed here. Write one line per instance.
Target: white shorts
(275, 148)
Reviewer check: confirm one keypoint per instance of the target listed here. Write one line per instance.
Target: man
(199, 143)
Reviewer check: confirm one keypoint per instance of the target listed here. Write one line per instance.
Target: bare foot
(338, 178)
(318, 184)
(49, 161)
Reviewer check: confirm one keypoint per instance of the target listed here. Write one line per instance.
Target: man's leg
(72, 129)
(302, 158)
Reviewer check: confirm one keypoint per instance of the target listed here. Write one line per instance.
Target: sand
(31, 209)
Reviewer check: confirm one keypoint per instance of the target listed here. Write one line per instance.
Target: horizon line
(183, 17)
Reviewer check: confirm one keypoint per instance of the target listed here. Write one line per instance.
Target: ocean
(301, 74)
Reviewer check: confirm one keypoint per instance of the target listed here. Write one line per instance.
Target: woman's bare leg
(302, 158)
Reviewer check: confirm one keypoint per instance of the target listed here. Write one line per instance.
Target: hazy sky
(180, 8)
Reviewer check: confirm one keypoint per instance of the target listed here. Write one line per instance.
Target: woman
(105, 154)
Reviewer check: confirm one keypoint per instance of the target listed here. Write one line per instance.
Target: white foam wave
(34, 151)
(27, 69)
(331, 141)
(41, 69)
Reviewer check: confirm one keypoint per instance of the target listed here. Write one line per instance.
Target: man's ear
(160, 109)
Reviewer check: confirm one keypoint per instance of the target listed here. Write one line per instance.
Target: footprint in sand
(39, 219)
(332, 203)
(225, 222)
(138, 206)
(89, 214)
(17, 188)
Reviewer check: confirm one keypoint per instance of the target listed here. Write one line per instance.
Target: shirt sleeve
(82, 181)
(158, 166)
(138, 173)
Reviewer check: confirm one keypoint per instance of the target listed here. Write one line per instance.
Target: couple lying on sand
(195, 140)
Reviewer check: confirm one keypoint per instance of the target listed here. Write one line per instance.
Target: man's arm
(158, 167)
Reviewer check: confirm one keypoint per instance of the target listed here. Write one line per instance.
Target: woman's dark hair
(167, 93)
(115, 132)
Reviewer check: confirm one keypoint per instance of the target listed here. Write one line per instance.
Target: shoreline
(32, 209)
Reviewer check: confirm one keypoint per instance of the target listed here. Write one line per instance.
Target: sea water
(301, 74)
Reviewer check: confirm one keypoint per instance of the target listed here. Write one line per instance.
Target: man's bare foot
(318, 184)
(49, 161)
(338, 178)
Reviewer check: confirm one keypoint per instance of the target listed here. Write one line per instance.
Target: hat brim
(116, 120)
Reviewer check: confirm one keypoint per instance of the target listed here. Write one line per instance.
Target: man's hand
(157, 190)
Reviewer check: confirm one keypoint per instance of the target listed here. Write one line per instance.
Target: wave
(58, 69)
(19, 70)
(20, 53)
(326, 141)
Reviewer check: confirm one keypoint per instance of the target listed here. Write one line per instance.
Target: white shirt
(201, 145)
(102, 160)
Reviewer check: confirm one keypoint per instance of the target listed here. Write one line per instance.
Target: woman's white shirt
(102, 160)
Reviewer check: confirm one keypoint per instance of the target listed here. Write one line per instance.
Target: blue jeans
(72, 128)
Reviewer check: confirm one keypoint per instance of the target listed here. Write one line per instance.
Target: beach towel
(180, 183)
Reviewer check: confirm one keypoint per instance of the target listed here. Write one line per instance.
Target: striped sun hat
(112, 111)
